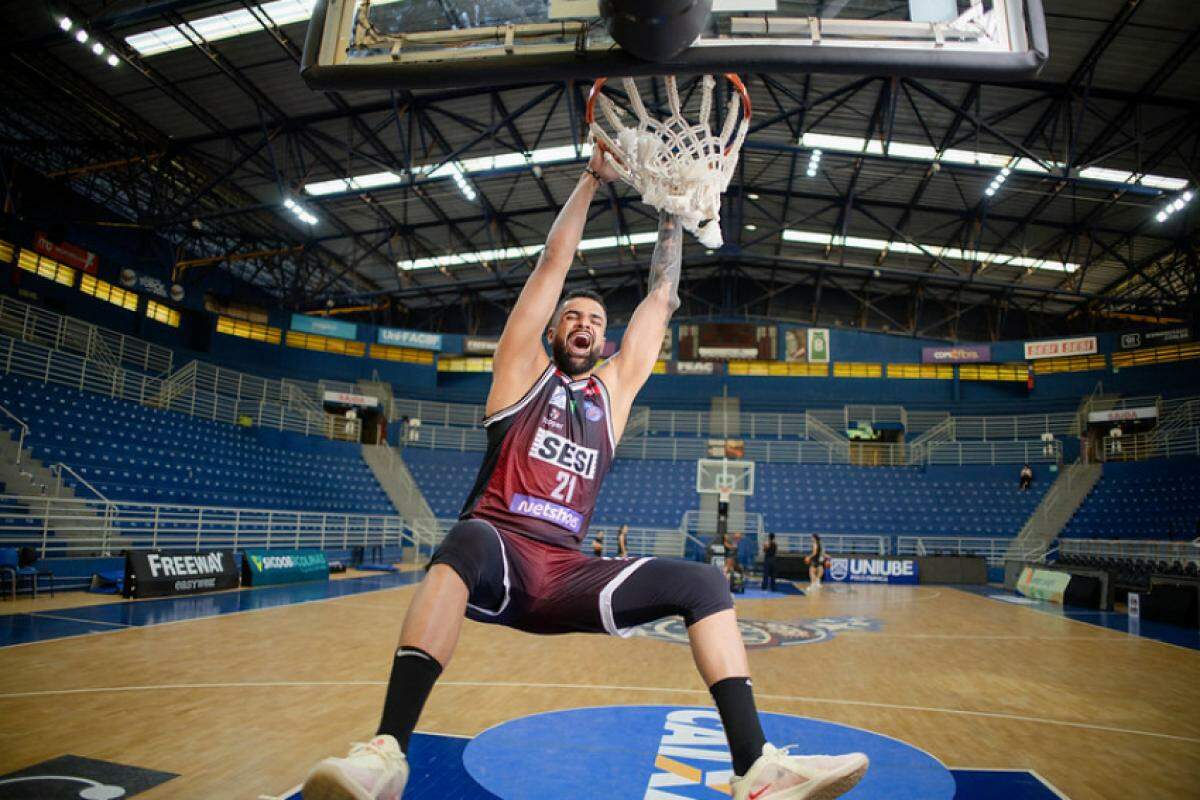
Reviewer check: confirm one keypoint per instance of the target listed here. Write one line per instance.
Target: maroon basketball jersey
(546, 457)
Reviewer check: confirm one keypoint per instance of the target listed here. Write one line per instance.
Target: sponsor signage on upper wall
(324, 326)
(818, 345)
(1132, 341)
(406, 338)
(151, 574)
(264, 567)
(67, 253)
(957, 354)
(1123, 414)
(350, 399)
(872, 570)
(806, 344)
(695, 368)
(1054, 348)
(475, 346)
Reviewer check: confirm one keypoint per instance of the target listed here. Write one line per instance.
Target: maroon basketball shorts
(539, 587)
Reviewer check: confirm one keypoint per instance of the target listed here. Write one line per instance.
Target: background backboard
(417, 44)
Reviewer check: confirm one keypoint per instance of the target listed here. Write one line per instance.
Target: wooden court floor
(242, 704)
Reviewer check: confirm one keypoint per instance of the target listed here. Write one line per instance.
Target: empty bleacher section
(936, 501)
(1157, 499)
(132, 452)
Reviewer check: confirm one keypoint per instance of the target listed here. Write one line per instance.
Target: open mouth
(580, 342)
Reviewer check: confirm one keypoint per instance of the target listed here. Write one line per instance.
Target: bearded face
(577, 336)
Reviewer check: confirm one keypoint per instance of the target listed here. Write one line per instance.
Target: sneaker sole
(839, 785)
(328, 782)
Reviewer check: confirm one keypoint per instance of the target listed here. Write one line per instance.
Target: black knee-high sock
(735, 702)
(413, 674)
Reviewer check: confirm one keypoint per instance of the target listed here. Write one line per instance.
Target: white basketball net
(676, 165)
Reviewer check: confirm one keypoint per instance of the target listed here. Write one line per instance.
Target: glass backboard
(418, 44)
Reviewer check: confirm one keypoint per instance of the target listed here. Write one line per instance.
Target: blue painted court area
(454, 768)
(39, 626)
(1113, 620)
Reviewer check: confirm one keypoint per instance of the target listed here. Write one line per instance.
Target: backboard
(716, 474)
(421, 44)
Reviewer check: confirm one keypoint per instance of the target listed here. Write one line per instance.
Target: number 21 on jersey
(564, 489)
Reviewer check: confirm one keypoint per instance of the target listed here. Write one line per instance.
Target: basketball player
(598, 544)
(622, 542)
(816, 563)
(513, 559)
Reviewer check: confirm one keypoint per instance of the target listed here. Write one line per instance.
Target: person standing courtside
(598, 544)
(622, 542)
(770, 550)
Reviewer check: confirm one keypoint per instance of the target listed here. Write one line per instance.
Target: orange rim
(590, 110)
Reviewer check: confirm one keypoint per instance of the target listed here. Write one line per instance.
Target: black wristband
(589, 171)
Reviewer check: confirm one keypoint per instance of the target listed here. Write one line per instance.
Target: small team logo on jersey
(760, 633)
(593, 412)
(559, 398)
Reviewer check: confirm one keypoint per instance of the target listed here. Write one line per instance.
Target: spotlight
(751, 227)
(81, 36)
(113, 60)
(752, 196)
(1161, 216)
(1187, 197)
(289, 202)
(65, 23)
(991, 190)
(98, 49)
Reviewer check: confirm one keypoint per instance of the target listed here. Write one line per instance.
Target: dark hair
(770, 536)
(588, 293)
(817, 536)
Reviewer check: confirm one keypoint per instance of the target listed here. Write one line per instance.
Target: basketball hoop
(676, 165)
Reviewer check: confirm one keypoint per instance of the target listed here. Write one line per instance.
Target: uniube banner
(406, 338)
(151, 574)
(872, 570)
(957, 354)
(265, 567)
(1053, 348)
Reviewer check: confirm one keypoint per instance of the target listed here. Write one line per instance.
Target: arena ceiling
(204, 143)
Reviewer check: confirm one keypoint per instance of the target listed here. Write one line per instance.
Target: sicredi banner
(151, 574)
(1131, 341)
(405, 338)
(324, 327)
(266, 567)
(1054, 348)
(872, 570)
(1043, 584)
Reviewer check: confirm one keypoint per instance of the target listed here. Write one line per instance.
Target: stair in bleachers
(136, 453)
(1141, 500)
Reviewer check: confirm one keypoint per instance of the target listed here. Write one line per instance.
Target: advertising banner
(266, 567)
(695, 368)
(475, 346)
(1055, 348)
(324, 327)
(1132, 341)
(872, 570)
(406, 338)
(349, 399)
(67, 253)
(795, 344)
(1123, 414)
(818, 345)
(1043, 584)
(151, 574)
(957, 354)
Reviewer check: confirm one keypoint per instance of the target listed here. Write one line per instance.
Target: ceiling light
(1178, 204)
(98, 49)
(289, 202)
(751, 227)
(752, 196)
(81, 36)
(65, 23)
(113, 60)
(1187, 197)
(991, 190)
(1161, 216)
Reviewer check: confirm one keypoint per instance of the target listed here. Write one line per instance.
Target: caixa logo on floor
(872, 570)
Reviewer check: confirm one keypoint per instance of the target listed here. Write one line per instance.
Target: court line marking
(1003, 637)
(1036, 609)
(1003, 715)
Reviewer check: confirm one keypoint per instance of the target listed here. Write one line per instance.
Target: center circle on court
(674, 752)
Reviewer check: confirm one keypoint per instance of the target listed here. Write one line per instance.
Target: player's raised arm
(629, 369)
(519, 355)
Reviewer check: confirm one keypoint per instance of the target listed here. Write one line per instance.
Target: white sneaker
(374, 770)
(779, 776)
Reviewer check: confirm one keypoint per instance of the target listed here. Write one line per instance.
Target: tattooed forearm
(667, 261)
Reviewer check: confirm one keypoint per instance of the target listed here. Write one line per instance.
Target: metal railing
(64, 527)
(1154, 444)
(835, 543)
(31, 324)
(1186, 552)
(1017, 426)
(960, 453)
(24, 431)
(994, 550)
(403, 492)
(198, 390)
(1056, 506)
(703, 523)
